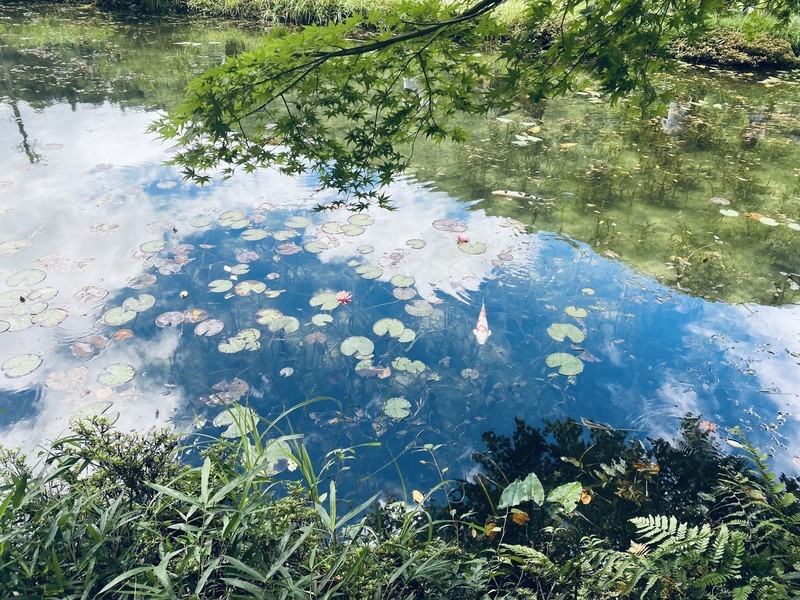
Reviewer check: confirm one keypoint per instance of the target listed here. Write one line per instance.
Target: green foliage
(347, 108)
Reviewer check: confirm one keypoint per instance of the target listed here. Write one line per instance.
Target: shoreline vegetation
(568, 510)
(743, 40)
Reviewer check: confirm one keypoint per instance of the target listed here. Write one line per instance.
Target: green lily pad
(410, 366)
(26, 277)
(795, 226)
(253, 235)
(588, 291)
(332, 227)
(116, 375)
(201, 221)
(402, 281)
(358, 345)
(416, 244)
(232, 346)
(44, 294)
(321, 320)
(559, 331)
(219, 286)
(450, 225)
(397, 408)
(288, 324)
(360, 219)
(195, 315)
(19, 366)
(265, 316)
(393, 327)
(238, 269)
(567, 364)
(369, 271)
(229, 217)
(315, 247)
(171, 318)
(576, 312)
(728, 212)
(768, 221)
(10, 298)
(209, 328)
(419, 308)
(50, 317)
(245, 288)
(297, 222)
(93, 410)
(153, 246)
(140, 303)
(288, 248)
(118, 316)
(474, 248)
(404, 293)
(285, 234)
(470, 373)
(365, 249)
(19, 323)
(352, 230)
(325, 300)
(407, 336)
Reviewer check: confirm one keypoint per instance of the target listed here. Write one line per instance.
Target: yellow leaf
(586, 497)
(418, 496)
(491, 529)
(520, 517)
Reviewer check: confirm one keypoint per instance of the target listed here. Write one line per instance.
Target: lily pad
(728, 212)
(265, 316)
(351, 230)
(768, 221)
(416, 244)
(209, 328)
(358, 345)
(369, 271)
(559, 331)
(404, 293)
(50, 317)
(321, 320)
(118, 316)
(10, 246)
(140, 303)
(366, 249)
(360, 219)
(397, 408)
(93, 410)
(332, 227)
(450, 225)
(74, 379)
(474, 248)
(201, 221)
(393, 327)
(232, 346)
(576, 312)
(315, 337)
(407, 336)
(288, 248)
(21, 365)
(567, 364)
(237, 269)
(795, 226)
(153, 246)
(402, 281)
(227, 218)
(288, 324)
(220, 285)
(325, 300)
(419, 308)
(297, 222)
(171, 318)
(26, 277)
(141, 281)
(245, 288)
(116, 375)
(285, 234)
(44, 294)
(246, 256)
(253, 235)
(410, 366)
(315, 247)
(470, 373)
(195, 315)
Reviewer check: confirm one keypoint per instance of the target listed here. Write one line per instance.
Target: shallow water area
(127, 291)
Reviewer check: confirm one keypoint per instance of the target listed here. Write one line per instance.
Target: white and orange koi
(482, 331)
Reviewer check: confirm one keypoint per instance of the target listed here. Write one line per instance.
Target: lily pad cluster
(565, 363)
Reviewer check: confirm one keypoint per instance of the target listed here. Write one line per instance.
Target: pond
(571, 260)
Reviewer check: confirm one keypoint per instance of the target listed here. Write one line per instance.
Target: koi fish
(482, 331)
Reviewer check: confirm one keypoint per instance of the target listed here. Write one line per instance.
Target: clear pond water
(126, 291)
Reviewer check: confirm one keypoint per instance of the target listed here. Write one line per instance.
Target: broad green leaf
(559, 331)
(567, 495)
(522, 490)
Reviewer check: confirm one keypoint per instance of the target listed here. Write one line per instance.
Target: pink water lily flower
(344, 297)
(462, 239)
(707, 427)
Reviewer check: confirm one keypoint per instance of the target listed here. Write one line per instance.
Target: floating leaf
(172, 318)
(286, 372)
(201, 221)
(588, 291)
(253, 235)
(297, 222)
(402, 281)
(44, 294)
(450, 225)
(116, 375)
(406, 364)
(351, 230)
(265, 316)
(358, 345)
(26, 277)
(4, 326)
(220, 285)
(768, 221)
(325, 300)
(232, 346)
(92, 411)
(153, 246)
(245, 288)
(559, 331)
(522, 490)
(140, 303)
(10, 246)
(416, 244)
(195, 315)
(475, 248)
(403, 293)
(397, 408)
(567, 364)
(365, 249)
(288, 248)
(50, 317)
(231, 216)
(407, 336)
(237, 269)
(209, 328)
(369, 271)
(576, 312)
(21, 365)
(118, 316)
(360, 219)
(321, 320)
(316, 337)
(315, 247)
(419, 308)
(288, 324)
(470, 374)
(332, 227)
(19, 323)
(246, 256)
(74, 379)
(285, 234)
(141, 281)
(393, 327)
(795, 226)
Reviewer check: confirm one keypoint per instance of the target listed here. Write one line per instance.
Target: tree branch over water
(346, 101)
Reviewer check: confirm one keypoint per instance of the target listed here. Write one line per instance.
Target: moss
(734, 49)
